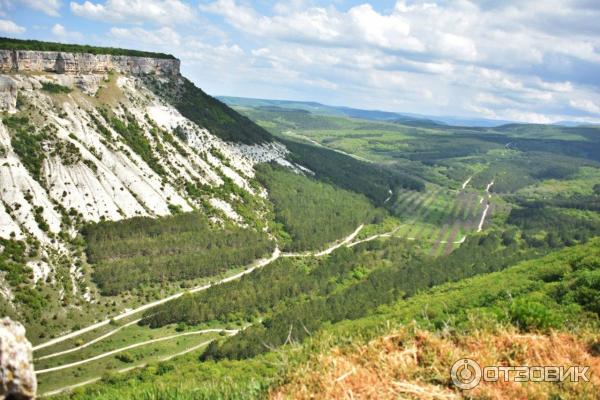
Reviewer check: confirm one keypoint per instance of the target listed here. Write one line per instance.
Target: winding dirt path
(87, 344)
(487, 207)
(257, 264)
(133, 346)
(465, 183)
(122, 371)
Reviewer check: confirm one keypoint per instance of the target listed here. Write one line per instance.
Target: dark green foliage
(12, 261)
(39, 218)
(529, 314)
(404, 278)
(313, 213)
(523, 169)
(143, 250)
(553, 227)
(210, 113)
(134, 136)
(372, 180)
(37, 45)
(27, 144)
(577, 202)
(125, 357)
(68, 153)
(282, 281)
(55, 88)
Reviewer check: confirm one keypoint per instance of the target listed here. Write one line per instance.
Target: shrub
(55, 88)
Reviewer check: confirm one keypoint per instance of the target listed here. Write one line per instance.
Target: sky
(534, 61)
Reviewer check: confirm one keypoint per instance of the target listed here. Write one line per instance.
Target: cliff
(17, 379)
(84, 63)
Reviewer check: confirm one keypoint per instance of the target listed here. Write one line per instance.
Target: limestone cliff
(84, 63)
(87, 138)
(17, 378)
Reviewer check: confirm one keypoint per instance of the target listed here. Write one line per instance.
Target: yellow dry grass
(416, 365)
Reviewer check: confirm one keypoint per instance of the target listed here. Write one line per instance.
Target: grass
(483, 318)
(126, 336)
(151, 353)
(581, 183)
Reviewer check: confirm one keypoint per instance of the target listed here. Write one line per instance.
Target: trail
(87, 344)
(389, 197)
(464, 185)
(121, 371)
(257, 264)
(133, 346)
(348, 239)
(485, 211)
(487, 207)
(377, 236)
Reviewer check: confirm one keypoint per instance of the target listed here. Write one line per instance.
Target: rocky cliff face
(17, 377)
(83, 63)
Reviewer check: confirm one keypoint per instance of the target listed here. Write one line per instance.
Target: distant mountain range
(377, 115)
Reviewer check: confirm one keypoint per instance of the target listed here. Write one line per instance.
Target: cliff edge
(84, 63)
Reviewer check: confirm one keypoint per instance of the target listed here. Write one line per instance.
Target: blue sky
(521, 60)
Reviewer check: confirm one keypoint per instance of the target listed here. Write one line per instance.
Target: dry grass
(416, 365)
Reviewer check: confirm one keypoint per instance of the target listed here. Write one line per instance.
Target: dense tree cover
(37, 45)
(143, 250)
(208, 112)
(574, 201)
(313, 213)
(553, 227)
(285, 280)
(372, 180)
(522, 169)
(557, 291)
(479, 254)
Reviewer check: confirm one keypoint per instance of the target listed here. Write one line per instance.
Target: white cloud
(7, 26)
(585, 105)
(162, 12)
(49, 7)
(163, 38)
(62, 33)
(515, 59)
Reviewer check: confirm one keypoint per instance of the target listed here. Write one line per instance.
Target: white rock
(17, 377)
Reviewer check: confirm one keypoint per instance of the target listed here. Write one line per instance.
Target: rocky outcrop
(84, 63)
(8, 94)
(17, 377)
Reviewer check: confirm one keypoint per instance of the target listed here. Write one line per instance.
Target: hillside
(158, 244)
(88, 137)
(512, 317)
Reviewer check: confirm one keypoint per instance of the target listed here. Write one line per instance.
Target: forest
(142, 250)
(301, 201)
(278, 285)
(403, 279)
(373, 180)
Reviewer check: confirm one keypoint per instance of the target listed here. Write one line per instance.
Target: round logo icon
(465, 373)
